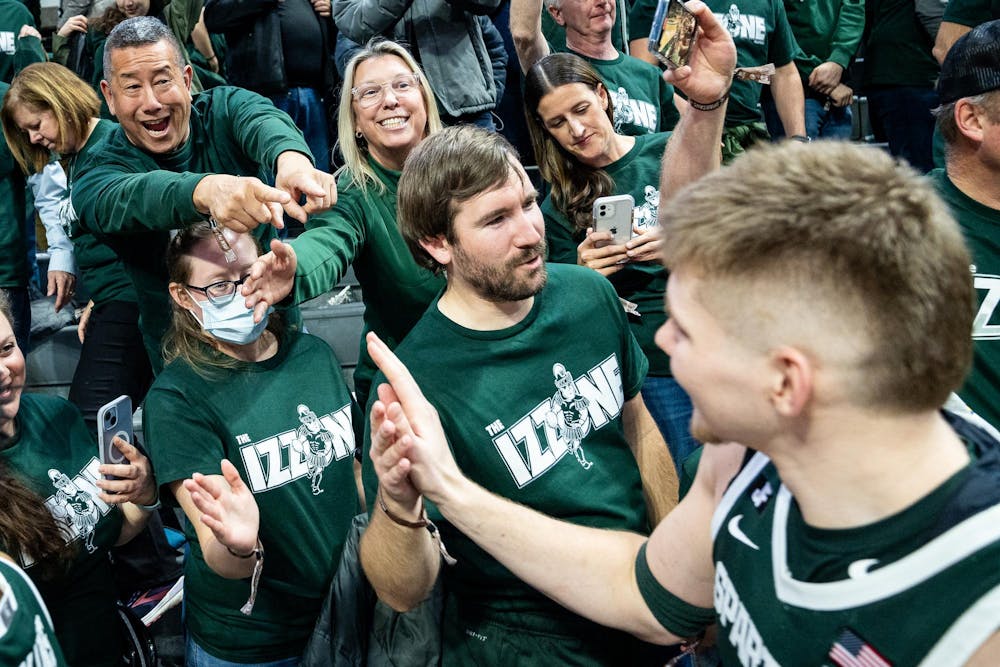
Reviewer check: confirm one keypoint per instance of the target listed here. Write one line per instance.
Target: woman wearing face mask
(569, 115)
(386, 110)
(275, 405)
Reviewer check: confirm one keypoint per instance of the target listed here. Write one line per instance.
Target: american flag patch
(851, 650)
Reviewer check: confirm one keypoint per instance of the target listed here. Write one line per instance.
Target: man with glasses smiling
(173, 161)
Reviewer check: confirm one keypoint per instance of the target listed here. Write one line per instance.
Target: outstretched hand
(240, 203)
(297, 176)
(227, 507)
(709, 72)
(408, 441)
(271, 278)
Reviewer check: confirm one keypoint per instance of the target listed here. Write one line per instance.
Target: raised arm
(588, 570)
(694, 148)
(947, 34)
(225, 517)
(398, 555)
(526, 30)
(659, 477)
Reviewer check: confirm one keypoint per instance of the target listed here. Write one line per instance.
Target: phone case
(114, 419)
(614, 214)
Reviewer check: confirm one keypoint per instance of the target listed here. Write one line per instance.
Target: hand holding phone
(614, 214)
(114, 420)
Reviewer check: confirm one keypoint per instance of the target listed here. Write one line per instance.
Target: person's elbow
(524, 37)
(402, 603)
(940, 49)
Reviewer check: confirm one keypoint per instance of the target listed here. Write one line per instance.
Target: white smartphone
(614, 214)
(114, 419)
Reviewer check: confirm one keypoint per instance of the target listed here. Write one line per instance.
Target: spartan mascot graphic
(568, 414)
(733, 20)
(75, 507)
(645, 215)
(315, 443)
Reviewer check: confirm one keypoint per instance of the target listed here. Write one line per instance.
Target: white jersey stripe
(736, 488)
(958, 543)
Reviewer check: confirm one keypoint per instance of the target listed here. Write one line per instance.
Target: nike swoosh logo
(734, 529)
(860, 567)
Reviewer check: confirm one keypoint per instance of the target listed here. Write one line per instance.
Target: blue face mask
(233, 322)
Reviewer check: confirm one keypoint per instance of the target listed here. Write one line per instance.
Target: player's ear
(791, 381)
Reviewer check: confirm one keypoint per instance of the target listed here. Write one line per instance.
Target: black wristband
(711, 106)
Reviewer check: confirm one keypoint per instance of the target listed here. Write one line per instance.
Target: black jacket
(255, 59)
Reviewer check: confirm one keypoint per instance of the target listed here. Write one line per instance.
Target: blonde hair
(47, 87)
(354, 148)
(844, 245)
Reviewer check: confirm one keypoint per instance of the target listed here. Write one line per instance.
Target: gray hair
(139, 31)
(945, 114)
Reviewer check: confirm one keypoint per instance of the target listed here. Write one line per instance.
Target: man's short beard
(497, 283)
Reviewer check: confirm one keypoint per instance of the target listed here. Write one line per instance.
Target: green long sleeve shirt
(826, 31)
(362, 229)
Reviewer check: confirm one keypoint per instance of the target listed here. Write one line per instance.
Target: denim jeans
(832, 123)
(902, 116)
(671, 409)
(196, 656)
(305, 106)
(113, 360)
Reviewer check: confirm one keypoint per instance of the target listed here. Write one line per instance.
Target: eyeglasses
(222, 292)
(370, 94)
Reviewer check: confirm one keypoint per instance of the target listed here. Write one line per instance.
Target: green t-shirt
(533, 413)
(971, 12)
(26, 635)
(826, 31)
(643, 102)
(56, 456)
(762, 35)
(131, 199)
(897, 48)
(362, 229)
(14, 262)
(636, 173)
(981, 227)
(288, 425)
(100, 269)
(787, 593)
